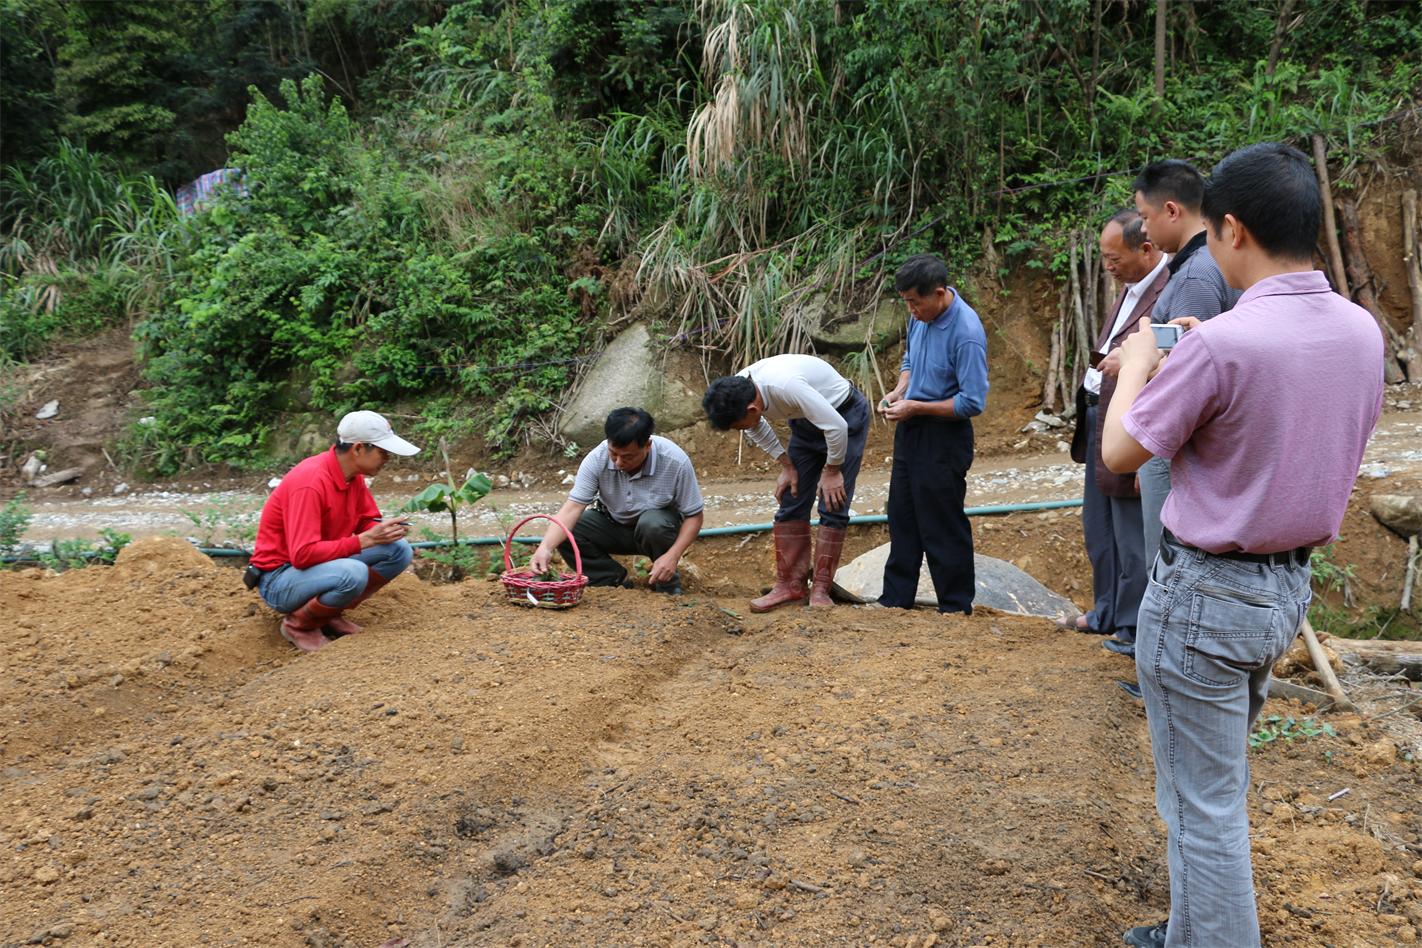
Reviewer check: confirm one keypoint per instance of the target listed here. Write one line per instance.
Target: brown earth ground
(636, 770)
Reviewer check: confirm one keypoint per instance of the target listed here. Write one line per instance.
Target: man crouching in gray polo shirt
(647, 502)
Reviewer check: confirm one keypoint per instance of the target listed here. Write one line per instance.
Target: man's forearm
(943, 409)
(569, 514)
(690, 527)
(1120, 452)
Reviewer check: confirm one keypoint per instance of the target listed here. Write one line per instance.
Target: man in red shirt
(321, 544)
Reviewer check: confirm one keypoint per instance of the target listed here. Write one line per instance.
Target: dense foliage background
(447, 204)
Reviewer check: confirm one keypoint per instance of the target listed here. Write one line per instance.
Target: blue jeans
(1155, 488)
(1210, 630)
(335, 582)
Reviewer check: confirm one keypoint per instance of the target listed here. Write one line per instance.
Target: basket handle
(508, 543)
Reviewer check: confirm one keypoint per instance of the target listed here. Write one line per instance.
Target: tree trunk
(1049, 385)
(1330, 225)
(1362, 276)
(1093, 276)
(1280, 30)
(1160, 49)
(1410, 259)
(1083, 344)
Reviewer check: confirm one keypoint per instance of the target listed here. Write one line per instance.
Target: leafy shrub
(14, 521)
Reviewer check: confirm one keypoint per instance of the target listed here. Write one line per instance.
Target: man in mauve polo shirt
(321, 545)
(1168, 198)
(1264, 412)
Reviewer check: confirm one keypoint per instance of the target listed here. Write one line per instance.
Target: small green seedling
(446, 498)
(1276, 728)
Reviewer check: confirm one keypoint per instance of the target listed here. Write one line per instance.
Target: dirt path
(1395, 453)
(634, 771)
(744, 500)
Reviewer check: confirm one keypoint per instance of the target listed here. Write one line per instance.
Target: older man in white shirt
(829, 423)
(1111, 504)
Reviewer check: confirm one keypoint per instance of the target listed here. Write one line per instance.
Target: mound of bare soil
(638, 770)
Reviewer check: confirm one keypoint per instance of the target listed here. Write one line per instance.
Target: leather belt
(1298, 556)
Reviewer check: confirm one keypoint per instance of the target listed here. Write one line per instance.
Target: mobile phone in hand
(1166, 335)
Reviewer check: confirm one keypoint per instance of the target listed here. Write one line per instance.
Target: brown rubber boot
(827, 551)
(343, 626)
(792, 566)
(302, 628)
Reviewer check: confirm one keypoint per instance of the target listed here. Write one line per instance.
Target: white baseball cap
(368, 427)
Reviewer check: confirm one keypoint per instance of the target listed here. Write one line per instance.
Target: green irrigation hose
(735, 530)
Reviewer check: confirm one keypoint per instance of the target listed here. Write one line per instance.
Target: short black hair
(1271, 189)
(343, 446)
(1132, 227)
(727, 400)
(626, 426)
(923, 273)
(1172, 180)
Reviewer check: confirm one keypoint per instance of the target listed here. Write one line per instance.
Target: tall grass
(83, 245)
(732, 227)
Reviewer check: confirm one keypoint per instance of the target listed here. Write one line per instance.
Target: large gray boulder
(835, 330)
(634, 371)
(1400, 513)
(1001, 586)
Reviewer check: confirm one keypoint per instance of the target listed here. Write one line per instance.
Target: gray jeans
(1210, 630)
(1155, 487)
(335, 582)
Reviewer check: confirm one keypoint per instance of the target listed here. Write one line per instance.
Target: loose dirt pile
(637, 770)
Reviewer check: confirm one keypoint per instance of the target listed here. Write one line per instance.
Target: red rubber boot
(302, 628)
(827, 553)
(792, 566)
(343, 626)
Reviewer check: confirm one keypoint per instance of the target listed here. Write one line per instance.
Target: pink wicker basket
(523, 586)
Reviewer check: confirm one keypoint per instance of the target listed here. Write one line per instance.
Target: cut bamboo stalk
(1325, 670)
(1411, 260)
(1279, 688)
(1410, 574)
(1330, 223)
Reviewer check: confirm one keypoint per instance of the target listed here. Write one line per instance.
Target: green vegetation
(14, 521)
(60, 554)
(1277, 728)
(459, 199)
(1333, 609)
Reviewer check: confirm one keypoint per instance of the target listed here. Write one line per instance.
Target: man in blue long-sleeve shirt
(943, 382)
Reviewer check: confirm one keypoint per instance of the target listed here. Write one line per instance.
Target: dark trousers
(599, 536)
(1113, 530)
(808, 453)
(926, 493)
(1096, 531)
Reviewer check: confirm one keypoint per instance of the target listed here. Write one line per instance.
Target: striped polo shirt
(666, 479)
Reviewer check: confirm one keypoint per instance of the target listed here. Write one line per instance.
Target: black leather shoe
(1134, 690)
(1147, 936)
(671, 587)
(1127, 649)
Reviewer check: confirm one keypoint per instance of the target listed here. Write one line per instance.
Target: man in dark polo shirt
(943, 382)
(321, 545)
(648, 502)
(1261, 467)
